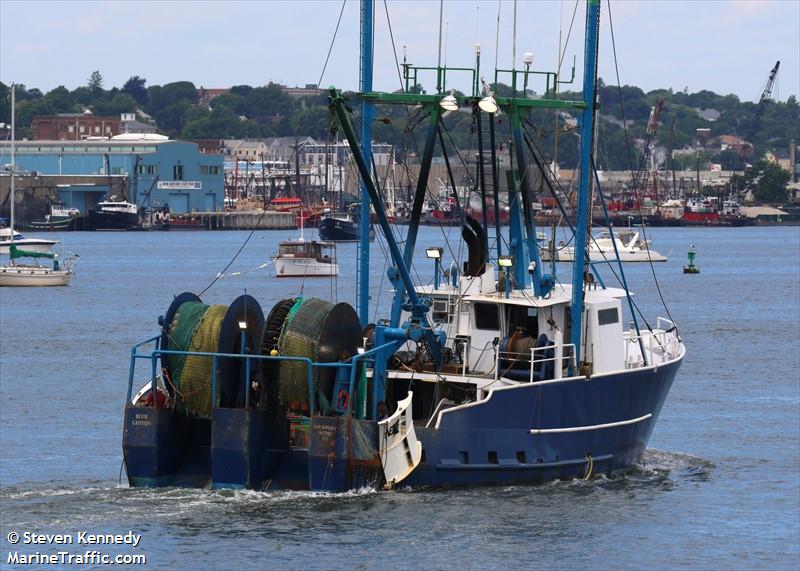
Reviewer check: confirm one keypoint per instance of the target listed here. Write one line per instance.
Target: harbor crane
(766, 94)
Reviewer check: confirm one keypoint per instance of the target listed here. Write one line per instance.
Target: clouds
(724, 46)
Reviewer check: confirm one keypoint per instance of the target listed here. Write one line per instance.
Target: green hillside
(180, 111)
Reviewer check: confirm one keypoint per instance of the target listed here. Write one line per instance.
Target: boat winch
(191, 326)
(321, 332)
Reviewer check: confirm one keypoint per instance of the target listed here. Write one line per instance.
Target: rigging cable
(627, 139)
(233, 259)
(529, 142)
(333, 39)
(394, 47)
(569, 32)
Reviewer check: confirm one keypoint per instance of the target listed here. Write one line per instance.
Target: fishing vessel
(496, 372)
(114, 214)
(606, 246)
(58, 217)
(337, 227)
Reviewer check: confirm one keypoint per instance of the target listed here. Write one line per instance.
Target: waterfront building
(78, 126)
(74, 126)
(156, 171)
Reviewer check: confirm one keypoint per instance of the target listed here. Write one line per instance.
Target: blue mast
(367, 111)
(587, 141)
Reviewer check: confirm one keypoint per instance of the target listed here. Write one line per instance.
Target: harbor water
(719, 487)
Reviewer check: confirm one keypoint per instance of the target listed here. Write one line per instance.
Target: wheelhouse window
(607, 316)
(294, 249)
(486, 316)
(520, 316)
(442, 309)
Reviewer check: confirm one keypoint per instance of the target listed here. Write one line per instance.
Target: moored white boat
(302, 258)
(29, 275)
(16, 275)
(628, 245)
(30, 244)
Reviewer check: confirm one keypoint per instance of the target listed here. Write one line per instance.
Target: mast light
(449, 102)
(488, 104)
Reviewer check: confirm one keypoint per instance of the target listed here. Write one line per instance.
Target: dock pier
(237, 220)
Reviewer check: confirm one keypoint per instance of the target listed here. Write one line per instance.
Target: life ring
(342, 399)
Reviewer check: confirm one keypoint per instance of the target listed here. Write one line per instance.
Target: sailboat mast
(13, 157)
(367, 111)
(585, 188)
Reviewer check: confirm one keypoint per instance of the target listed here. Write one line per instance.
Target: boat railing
(660, 345)
(351, 365)
(539, 358)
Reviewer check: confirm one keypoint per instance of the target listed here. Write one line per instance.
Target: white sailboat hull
(304, 267)
(21, 276)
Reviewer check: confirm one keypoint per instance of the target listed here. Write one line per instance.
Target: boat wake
(99, 504)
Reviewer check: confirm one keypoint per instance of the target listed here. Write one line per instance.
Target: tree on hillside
(766, 180)
(95, 83)
(61, 99)
(27, 110)
(731, 160)
(313, 122)
(135, 87)
(170, 119)
(268, 101)
(241, 90)
(162, 96)
(82, 98)
(222, 123)
(234, 102)
(5, 103)
(119, 103)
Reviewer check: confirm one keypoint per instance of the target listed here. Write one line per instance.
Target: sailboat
(500, 373)
(15, 274)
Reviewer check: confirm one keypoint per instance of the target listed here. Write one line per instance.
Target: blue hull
(594, 426)
(610, 419)
(341, 230)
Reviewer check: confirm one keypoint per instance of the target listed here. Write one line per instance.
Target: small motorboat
(29, 244)
(601, 248)
(305, 258)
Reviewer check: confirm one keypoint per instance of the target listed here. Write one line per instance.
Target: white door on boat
(400, 450)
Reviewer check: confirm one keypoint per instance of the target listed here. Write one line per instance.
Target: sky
(725, 46)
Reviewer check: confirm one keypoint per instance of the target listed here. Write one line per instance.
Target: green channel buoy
(691, 268)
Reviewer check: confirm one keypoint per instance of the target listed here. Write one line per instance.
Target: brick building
(74, 126)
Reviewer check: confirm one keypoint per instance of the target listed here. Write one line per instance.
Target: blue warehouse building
(155, 170)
